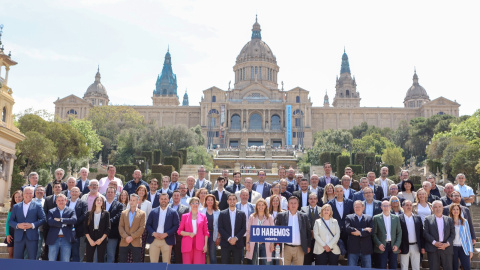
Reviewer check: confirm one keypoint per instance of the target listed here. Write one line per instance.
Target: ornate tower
(326, 102)
(185, 99)
(165, 93)
(346, 94)
(96, 93)
(416, 94)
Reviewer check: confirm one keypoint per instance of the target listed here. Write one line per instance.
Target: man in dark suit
(359, 228)
(165, 187)
(313, 212)
(283, 189)
(341, 207)
(232, 227)
(50, 203)
(71, 182)
(427, 186)
(328, 178)
(115, 209)
(291, 180)
(153, 194)
(83, 181)
(181, 209)
(80, 207)
(456, 197)
(314, 187)
(447, 199)
(60, 235)
(191, 190)
(412, 237)
(59, 173)
(237, 183)
(439, 232)
(348, 192)
(358, 196)
(162, 224)
(393, 192)
(372, 207)
(33, 180)
(221, 195)
(302, 194)
(261, 186)
(26, 217)
(294, 252)
(377, 189)
(354, 184)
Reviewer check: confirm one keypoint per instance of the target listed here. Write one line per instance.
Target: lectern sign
(277, 234)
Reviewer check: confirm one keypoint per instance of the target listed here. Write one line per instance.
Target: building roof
(96, 88)
(416, 91)
(256, 49)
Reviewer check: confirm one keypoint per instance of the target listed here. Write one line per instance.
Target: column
(263, 120)
(241, 119)
(6, 75)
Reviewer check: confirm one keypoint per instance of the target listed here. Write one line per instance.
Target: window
(213, 121)
(255, 121)
(72, 112)
(4, 114)
(297, 99)
(298, 122)
(260, 73)
(214, 98)
(234, 143)
(347, 93)
(235, 122)
(276, 125)
(440, 113)
(251, 75)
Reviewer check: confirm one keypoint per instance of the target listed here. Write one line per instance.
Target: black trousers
(309, 258)
(136, 254)
(231, 251)
(435, 259)
(326, 258)
(177, 249)
(101, 249)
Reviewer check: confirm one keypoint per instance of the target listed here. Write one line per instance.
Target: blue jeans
(261, 253)
(77, 251)
(62, 245)
(212, 249)
(111, 248)
(387, 257)
(459, 253)
(39, 246)
(366, 260)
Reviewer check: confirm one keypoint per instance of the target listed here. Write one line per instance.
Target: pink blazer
(202, 231)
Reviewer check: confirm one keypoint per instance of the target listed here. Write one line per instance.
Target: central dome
(96, 88)
(416, 91)
(256, 49)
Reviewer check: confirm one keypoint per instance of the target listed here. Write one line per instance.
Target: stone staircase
(187, 170)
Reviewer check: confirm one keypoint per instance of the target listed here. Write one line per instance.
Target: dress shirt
(200, 182)
(175, 207)
(233, 215)
(25, 208)
(384, 184)
(220, 194)
(304, 198)
(131, 216)
(465, 192)
(346, 193)
(440, 229)
(162, 191)
(108, 205)
(161, 220)
(412, 236)
(190, 193)
(339, 207)
(369, 208)
(83, 184)
(293, 182)
(359, 217)
(173, 186)
(60, 232)
(387, 220)
(244, 208)
(293, 221)
(312, 189)
(39, 201)
(259, 188)
(73, 204)
(328, 180)
(153, 196)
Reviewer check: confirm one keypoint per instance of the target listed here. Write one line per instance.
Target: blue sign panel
(289, 125)
(277, 234)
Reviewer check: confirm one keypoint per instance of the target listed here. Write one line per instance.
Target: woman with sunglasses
(396, 209)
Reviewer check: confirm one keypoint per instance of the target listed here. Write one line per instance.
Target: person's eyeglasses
(194, 203)
(394, 189)
(385, 205)
(368, 192)
(394, 200)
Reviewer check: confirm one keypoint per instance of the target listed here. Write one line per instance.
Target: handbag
(341, 245)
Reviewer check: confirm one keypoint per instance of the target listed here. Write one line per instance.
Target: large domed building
(257, 111)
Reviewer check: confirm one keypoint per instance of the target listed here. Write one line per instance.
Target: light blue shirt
(369, 209)
(465, 192)
(131, 216)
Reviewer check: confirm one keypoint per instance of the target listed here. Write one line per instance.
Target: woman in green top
(17, 197)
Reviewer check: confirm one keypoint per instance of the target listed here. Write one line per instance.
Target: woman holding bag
(326, 232)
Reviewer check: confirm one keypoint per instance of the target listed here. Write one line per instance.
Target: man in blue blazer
(165, 187)
(115, 209)
(154, 195)
(372, 207)
(348, 192)
(26, 217)
(232, 244)
(359, 228)
(162, 238)
(262, 186)
(83, 181)
(358, 196)
(328, 178)
(60, 235)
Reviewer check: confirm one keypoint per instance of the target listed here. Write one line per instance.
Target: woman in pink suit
(194, 229)
(260, 217)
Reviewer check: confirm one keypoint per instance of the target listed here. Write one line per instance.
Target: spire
(415, 76)
(97, 76)
(326, 102)
(345, 65)
(185, 98)
(256, 30)
(167, 81)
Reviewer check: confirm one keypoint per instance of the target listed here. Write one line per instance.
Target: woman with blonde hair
(123, 198)
(201, 195)
(326, 232)
(260, 217)
(462, 244)
(422, 207)
(274, 207)
(275, 190)
(328, 195)
(212, 212)
(396, 208)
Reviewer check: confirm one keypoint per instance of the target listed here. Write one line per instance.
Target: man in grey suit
(439, 232)
(313, 212)
(294, 252)
(201, 181)
(181, 209)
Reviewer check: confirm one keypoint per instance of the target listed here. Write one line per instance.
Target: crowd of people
(373, 222)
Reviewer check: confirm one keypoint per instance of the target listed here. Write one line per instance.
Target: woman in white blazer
(326, 249)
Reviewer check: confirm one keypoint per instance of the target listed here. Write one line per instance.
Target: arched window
(212, 114)
(214, 98)
(255, 121)
(347, 93)
(235, 122)
(4, 114)
(276, 125)
(440, 113)
(72, 112)
(297, 99)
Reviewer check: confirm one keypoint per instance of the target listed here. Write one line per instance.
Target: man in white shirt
(303, 193)
(174, 184)
(191, 190)
(201, 181)
(39, 195)
(153, 193)
(103, 183)
(71, 182)
(261, 186)
(82, 182)
(183, 197)
(384, 182)
(412, 237)
(467, 192)
(387, 237)
(253, 196)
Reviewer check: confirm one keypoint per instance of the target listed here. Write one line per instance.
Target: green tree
(393, 156)
(68, 142)
(199, 155)
(36, 149)
(465, 161)
(332, 140)
(374, 143)
(85, 128)
(198, 130)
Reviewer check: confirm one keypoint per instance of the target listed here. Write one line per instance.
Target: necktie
(312, 213)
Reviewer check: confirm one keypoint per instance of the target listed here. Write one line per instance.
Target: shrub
(158, 176)
(157, 156)
(162, 169)
(360, 159)
(149, 157)
(391, 170)
(342, 162)
(324, 157)
(92, 170)
(178, 154)
(369, 164)
(356, 168)
(141, 162)
(126, 170)
(333, 161)
(184, 155)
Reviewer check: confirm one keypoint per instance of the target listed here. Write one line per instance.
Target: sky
(59, 44)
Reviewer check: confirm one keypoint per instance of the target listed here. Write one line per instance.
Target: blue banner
(289, 125)
(277, 234)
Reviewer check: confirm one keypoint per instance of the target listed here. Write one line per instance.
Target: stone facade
(254, 113)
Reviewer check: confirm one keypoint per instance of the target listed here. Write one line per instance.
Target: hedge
(126, 170)
(391, 170)
(141, 163)
(158, 176)
(360, 158)
(178, 154)
(369, 164)
(162, 169)
(174, 161)
(342, 162)
(149, 156)
(356, 168)
(333, 161)
(102, 175)
(324, 157)
(157, 156)
(184, 155)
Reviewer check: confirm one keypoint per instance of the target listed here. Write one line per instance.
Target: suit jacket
(350, 196)
(377, 207)
(292, 187)
(68, 218)
(135, 231)
(222, 203)
(377, 192)
(49, 188)
(303, 224)
(50, 203)
(103, 227)
(173, 186)
(447, 201)
(225, 228)
(35, 215)
(79, 185)
(298, 194)
(156, 202)
(287, 194)
(115, 211)
(251, 209)
(81, 208)
(206, 184)
(358, 196)
(359, 244)
(405, 246)
(170, 226)
(254, 196)
(182, 209)
(266, 189)
(194, 192)
(466, 215)
(430, 233)
(347, 210)
(379, 183)
(202, 231)
(169, 192)
(320, 233)
(333, 180)
(380, 232)
(233, 188)
(316, 214)
(431, 198)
